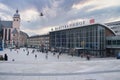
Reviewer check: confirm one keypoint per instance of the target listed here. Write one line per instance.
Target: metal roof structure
(7, 24)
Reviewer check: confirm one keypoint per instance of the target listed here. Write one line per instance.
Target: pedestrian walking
(60, 52)
(24, 50)
(27, 53)
(35, 55)
(17, 51)
(72, 54)
(46, 56)
(58, 56)
(5, 57)
(33, 51)
(13, 59)
(53, 53)
(81, 55)
(88, 57)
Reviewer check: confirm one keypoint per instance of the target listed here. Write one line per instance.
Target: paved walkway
(57, 74)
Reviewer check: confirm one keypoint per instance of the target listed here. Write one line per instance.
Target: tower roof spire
(16, 14)
(17, 11)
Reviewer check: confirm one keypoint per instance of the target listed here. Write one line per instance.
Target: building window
(109, 42)
(5, 34)
(114, 42)
(118, 42)
(9, 37)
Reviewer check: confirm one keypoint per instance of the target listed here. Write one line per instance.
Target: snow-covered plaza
(24, 66)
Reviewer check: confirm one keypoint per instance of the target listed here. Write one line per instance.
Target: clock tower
(16, 20)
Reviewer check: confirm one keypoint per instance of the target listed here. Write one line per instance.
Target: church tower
(16, 30)
(16, 20)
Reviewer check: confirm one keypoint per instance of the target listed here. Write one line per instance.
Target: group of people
(5, 57)
(58, 55)
(45, 51)
(88, 57)
(29, 52)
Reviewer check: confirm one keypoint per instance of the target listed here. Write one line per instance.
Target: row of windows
(94, 33)
(113, 42)
(78, 39)
(86, 46)
(113, 24)
(73, 38)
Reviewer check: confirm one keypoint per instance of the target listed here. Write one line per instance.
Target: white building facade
(39, 41)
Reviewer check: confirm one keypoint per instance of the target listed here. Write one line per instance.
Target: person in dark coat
(58, 56)
(46, 56)
(35, 55)
(88, 57)
(5, 57)
(53, 53)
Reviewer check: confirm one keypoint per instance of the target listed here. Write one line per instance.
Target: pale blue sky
(58, 12)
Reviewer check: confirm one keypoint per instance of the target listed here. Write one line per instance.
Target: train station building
(88, 39)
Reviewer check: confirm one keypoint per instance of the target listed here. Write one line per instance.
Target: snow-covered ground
(27, 67)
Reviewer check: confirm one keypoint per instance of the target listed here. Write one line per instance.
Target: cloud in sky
(58, 12)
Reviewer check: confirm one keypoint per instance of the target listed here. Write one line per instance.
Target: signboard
(75, 24)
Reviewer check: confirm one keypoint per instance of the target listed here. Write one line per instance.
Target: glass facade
(113, 45)
(88, 39)
(113, 42)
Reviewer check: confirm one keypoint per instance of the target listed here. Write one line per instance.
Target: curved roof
(108, 28)
(88, 25)
(16, 14)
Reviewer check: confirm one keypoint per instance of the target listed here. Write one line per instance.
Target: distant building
(115, 26)
(39, 41)
(11, 33)
(87, 39)
(23, 39)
